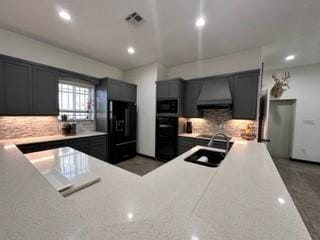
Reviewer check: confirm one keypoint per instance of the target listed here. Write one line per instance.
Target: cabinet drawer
(99, 140)
(81, 144)
(202, 142)
(51, 145)
(28, 148)
(186, 140)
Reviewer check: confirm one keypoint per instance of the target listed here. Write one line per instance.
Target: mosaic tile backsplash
(219, 120)
(30, 126)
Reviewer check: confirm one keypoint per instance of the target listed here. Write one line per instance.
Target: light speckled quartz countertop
(244, 198)
(29, 140)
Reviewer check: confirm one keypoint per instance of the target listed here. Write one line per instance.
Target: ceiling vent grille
(134, 19)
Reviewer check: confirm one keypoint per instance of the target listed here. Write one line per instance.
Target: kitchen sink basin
(206, 158)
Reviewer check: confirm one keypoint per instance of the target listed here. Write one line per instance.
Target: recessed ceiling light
(290, 57)
(193, 237)
(64, 15)
(131, 50)
(200, 22)
(281, 201)
(130, 216)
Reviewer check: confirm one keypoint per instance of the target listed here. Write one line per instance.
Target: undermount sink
(206, 158)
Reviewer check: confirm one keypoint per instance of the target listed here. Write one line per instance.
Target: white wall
(17, 45)
(162, 72)
(145, 77)
(304, 87)
(237, 62)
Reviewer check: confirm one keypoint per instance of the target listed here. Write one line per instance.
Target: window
(76, 100)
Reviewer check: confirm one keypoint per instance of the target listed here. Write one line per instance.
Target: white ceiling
(306, 49)
(98, 29)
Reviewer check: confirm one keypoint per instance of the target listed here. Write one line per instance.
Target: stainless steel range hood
(215, 94)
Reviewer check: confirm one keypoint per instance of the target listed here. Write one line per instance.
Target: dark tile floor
(303, 183)
(140, 165)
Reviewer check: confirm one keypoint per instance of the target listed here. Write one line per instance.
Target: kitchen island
(244, 198)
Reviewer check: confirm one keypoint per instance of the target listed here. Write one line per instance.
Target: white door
(280, 128)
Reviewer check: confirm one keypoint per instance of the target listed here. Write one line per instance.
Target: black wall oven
(166, 138)
(167, 106)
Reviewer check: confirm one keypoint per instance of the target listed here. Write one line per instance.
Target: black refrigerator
(122, 129)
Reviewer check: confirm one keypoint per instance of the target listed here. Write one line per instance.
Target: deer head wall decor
(280, 83)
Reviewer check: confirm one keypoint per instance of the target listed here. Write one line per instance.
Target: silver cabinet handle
(124, 143)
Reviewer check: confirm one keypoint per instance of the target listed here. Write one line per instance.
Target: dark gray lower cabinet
(51, 145)
(95, 146)
(80, 144)
(29, 148)
(17, 81)
(98, 147)
(186, 143)
(45, 91)
(2, 90)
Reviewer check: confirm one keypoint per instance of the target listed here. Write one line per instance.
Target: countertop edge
(35, 140)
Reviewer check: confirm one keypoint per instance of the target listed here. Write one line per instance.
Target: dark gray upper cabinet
(17, 82)
(244, 88)
(121, 91)
(45, 91)
(28, 88)
(191, 95)
(170, 89)
(162, 90)
(173, 89)
(128, 92)
(114, 90)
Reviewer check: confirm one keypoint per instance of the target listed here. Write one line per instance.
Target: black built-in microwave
(167, 106)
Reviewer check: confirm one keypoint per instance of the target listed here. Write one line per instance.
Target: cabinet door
(45, 91)
(28, 148)
(185, 144)
(173, 89)
(162, 90)
(80, 144)
(245, 96)
(191, 95)
(18, 87)
(98, 147)
(114, 90)
(128, 92)
(2, 90)
(51, 145)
